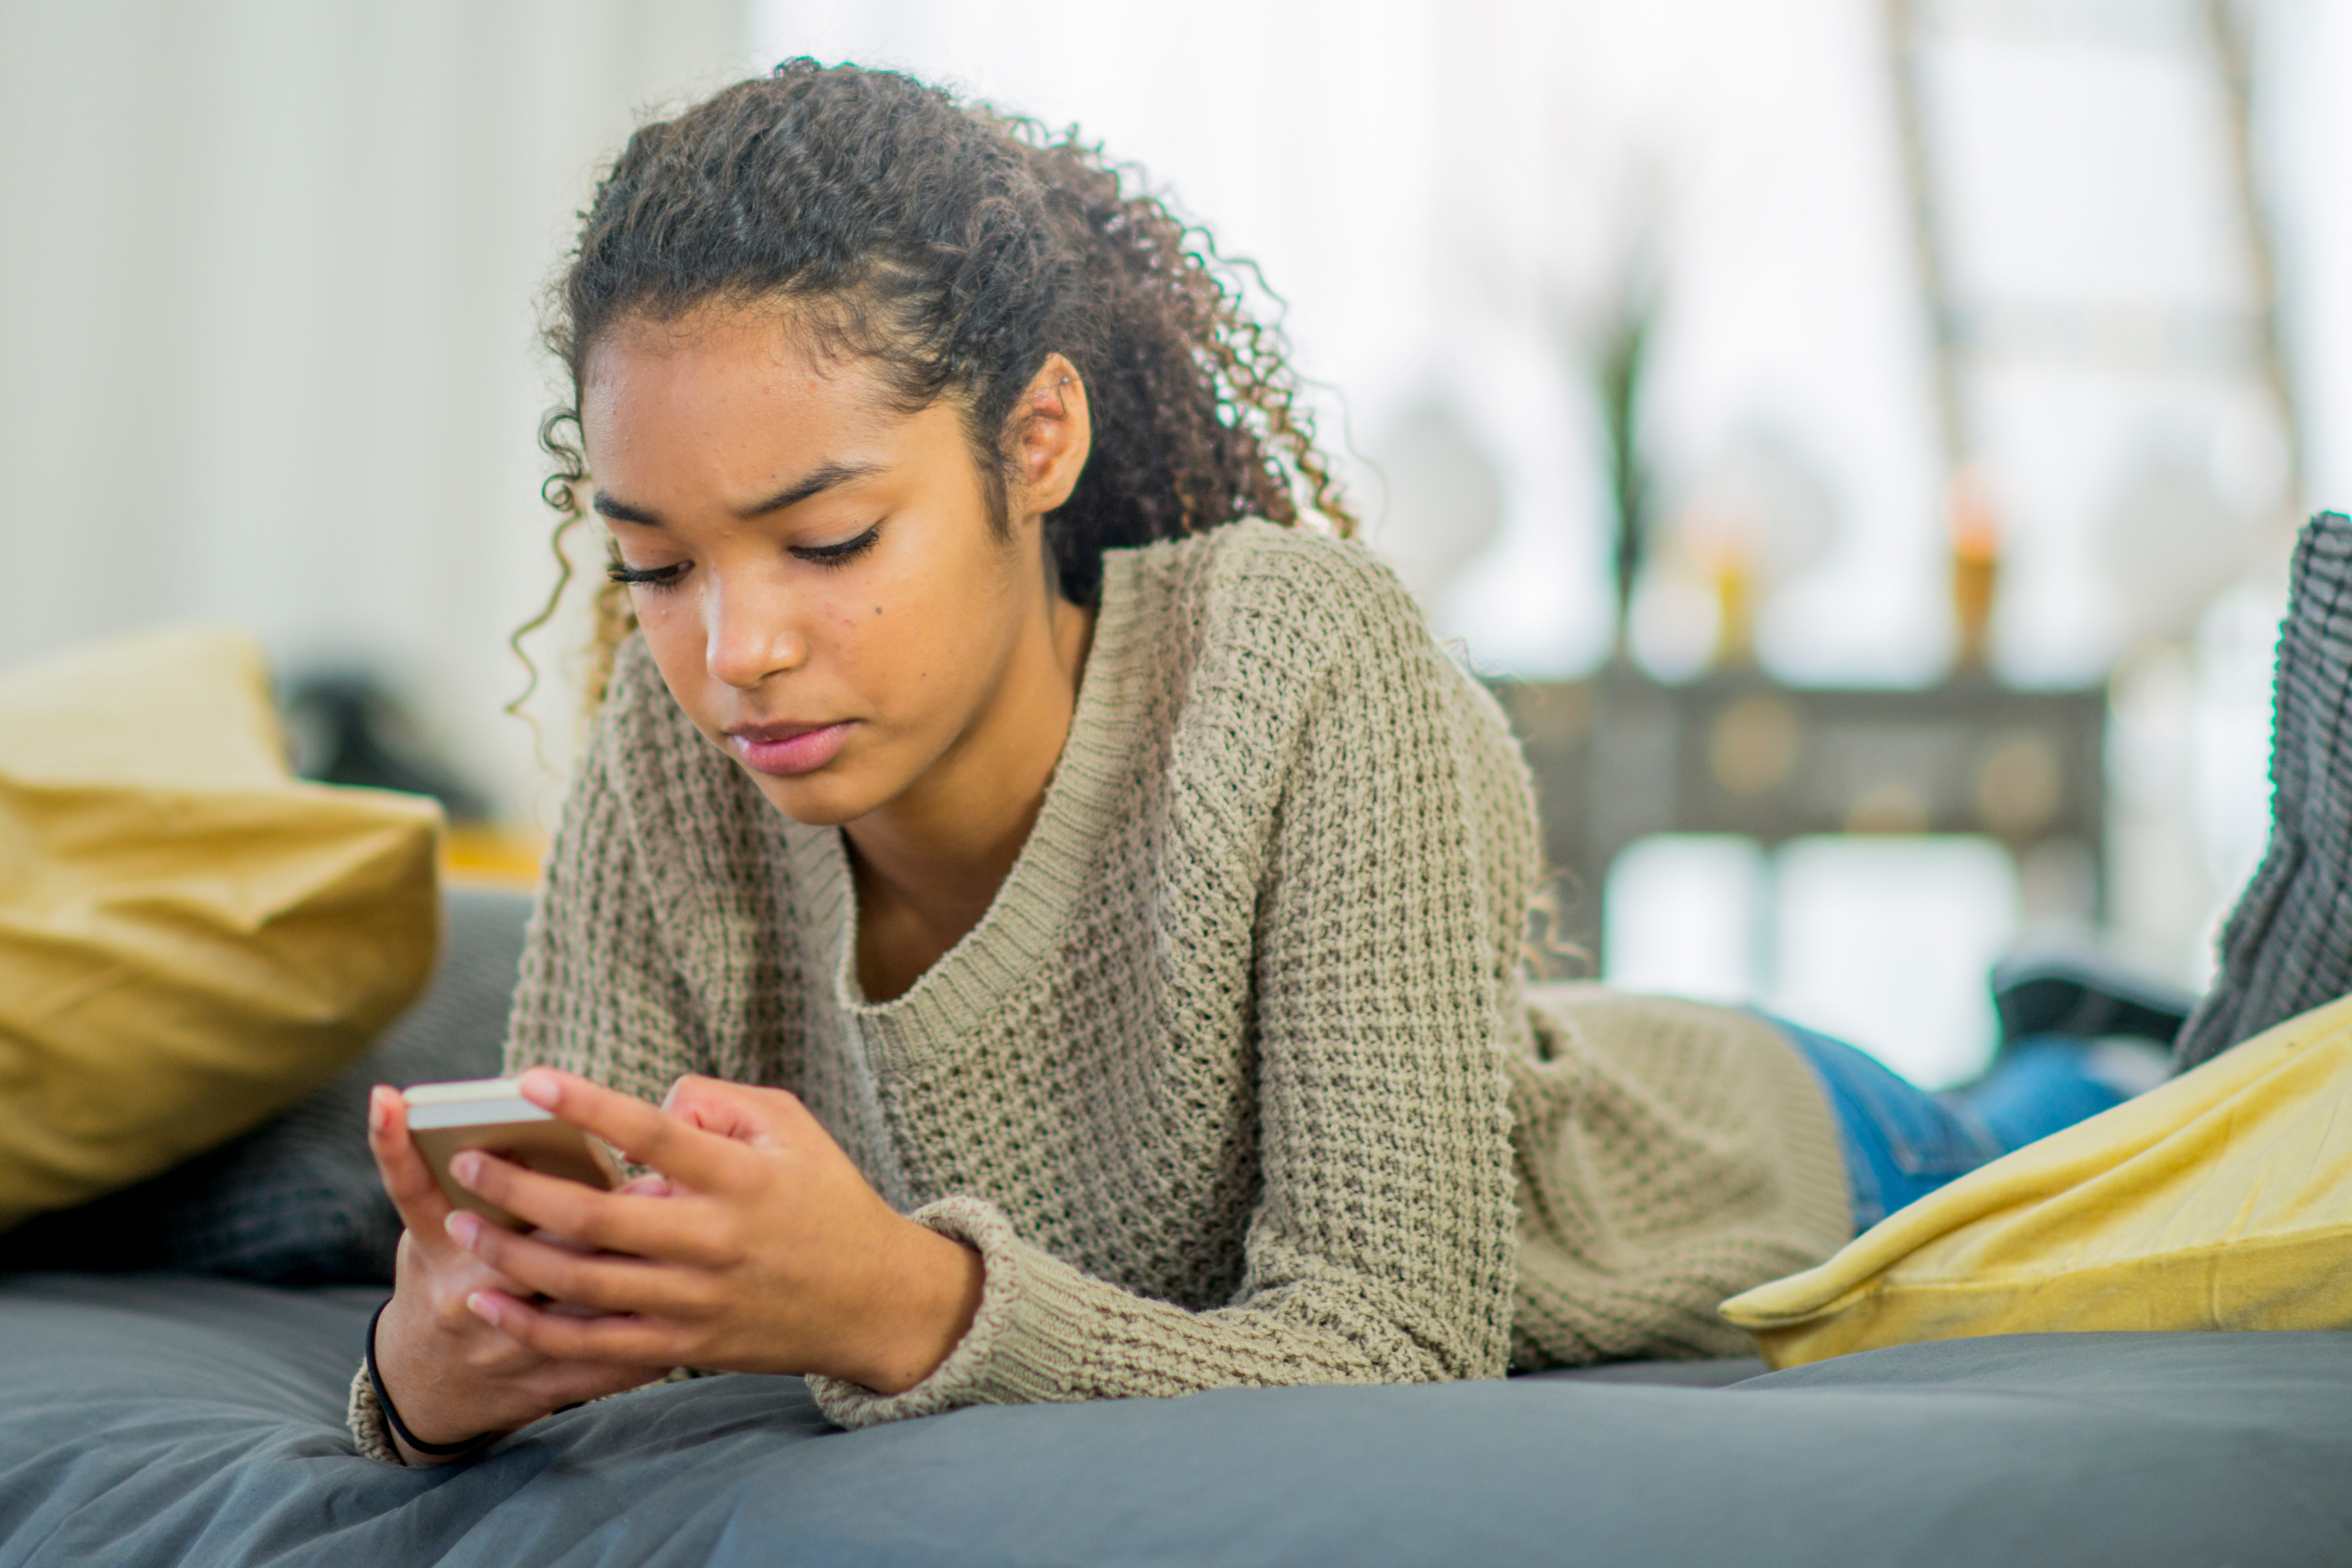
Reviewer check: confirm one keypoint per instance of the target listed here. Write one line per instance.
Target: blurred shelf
(1619, 756)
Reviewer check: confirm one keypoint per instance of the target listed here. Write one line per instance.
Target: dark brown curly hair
(956, 247)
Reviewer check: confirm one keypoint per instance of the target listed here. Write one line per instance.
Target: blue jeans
(1901, 1143)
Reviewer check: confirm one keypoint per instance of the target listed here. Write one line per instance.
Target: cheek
(673, 632)
(890, 632)
(669, 625)
(876, 641)
(944, 637)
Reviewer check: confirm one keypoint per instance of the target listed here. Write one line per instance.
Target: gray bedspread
(153, 1420)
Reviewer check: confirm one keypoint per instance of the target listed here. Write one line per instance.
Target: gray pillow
(295, 1201)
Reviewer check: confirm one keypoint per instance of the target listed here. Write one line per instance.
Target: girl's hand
(451, 1374)
(770, 1251)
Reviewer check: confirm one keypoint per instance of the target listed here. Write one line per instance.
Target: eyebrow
(824, 477)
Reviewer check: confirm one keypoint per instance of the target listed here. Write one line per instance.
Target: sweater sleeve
(600, 994)
(603, 990)
(1382, 1244)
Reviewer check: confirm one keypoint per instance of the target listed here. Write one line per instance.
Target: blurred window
(1883, 941)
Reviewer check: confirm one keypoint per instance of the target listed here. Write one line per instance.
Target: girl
(1066, 909)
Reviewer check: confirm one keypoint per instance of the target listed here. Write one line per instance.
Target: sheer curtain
(268, 280)
(268, 295)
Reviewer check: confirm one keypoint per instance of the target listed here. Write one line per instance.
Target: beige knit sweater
(1237, 1080)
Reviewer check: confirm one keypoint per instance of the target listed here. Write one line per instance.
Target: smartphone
(490, 1114)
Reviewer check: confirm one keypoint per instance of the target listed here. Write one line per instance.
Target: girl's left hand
(769, 1253)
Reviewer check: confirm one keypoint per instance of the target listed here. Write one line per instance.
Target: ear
(1051, 436)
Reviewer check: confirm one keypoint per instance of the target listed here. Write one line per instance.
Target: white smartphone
(490, 1114)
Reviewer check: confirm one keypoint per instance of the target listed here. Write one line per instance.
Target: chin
(818, 799)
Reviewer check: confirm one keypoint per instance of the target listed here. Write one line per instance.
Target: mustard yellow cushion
(2222, 1199)
(190, 938)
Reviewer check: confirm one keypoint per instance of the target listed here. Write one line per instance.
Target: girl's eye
(841, 554)
(650, 577)
(835, 555)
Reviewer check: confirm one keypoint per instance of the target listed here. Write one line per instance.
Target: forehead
(725, 375)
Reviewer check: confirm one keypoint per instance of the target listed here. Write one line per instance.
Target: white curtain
(268, 275)
(269, 272)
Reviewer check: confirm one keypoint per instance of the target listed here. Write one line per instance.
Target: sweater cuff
(364, 1416)
(373, 1434)
(1025, 1340)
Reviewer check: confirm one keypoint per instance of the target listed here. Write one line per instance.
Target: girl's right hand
(452, 1376)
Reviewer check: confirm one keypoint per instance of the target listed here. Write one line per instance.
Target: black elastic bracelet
(391, 1416)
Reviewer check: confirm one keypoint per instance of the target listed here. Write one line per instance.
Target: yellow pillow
(190, 938)
(2222, 1199)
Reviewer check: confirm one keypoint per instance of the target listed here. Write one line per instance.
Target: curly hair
(956, 247)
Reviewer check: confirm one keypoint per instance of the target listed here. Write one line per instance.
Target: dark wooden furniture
(1619, 755)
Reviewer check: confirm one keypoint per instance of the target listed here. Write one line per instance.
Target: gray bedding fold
(151, 1420)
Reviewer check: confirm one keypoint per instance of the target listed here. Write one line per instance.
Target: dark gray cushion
(152, 1421)
(297, 1200)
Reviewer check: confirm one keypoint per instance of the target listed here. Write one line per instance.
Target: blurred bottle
(1976, 567)
(1723, 541)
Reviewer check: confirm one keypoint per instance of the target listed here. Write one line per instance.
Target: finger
(648, 1137)
(619, 1340)
(563, 1383)
(607, 1281)
(441, 1279)
(407, 1180)
(657, 1227)
(742, 1112)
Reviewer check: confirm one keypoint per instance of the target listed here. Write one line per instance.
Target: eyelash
(832, 557)
(654, 577)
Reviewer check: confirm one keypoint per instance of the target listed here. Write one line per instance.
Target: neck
(929, 864)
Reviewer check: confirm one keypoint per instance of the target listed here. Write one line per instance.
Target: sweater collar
(1032, 909)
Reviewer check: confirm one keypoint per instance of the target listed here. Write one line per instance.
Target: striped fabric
(2288, 946)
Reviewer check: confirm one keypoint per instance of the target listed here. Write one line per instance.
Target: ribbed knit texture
(2287, 947)
(1235, 1083)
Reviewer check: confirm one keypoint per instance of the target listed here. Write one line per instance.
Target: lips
(787, 750)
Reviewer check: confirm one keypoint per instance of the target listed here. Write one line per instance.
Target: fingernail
(465, 1167)
(540, 1089)
(480, 1305)
(378, 1110)
(463, 1226)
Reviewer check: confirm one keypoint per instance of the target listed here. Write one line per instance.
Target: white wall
(1442, 192)
(268, 293)
(268, 274)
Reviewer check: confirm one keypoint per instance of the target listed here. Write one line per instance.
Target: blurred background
(1861, 439)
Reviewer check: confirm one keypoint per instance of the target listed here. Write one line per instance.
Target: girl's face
(816, 573)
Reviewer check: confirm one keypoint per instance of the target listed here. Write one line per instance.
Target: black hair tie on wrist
(392, 1413)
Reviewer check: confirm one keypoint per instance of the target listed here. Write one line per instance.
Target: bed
(151, 1420)
(151, 1417)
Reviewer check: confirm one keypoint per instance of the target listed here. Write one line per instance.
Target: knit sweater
(1237, 1082)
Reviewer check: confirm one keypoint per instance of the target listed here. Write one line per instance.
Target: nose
(751, 633)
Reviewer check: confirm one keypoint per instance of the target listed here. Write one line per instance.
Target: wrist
(930, 1297)
(411, 1449)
